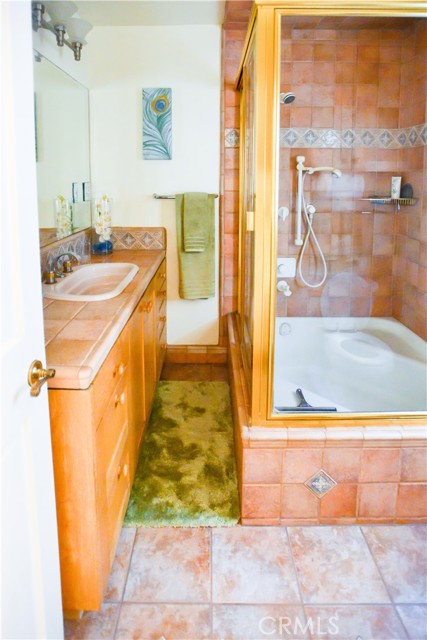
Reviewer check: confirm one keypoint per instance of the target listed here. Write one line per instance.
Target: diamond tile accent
(320, 484)
(423, 134)
(413, 136)
(349, 138)
(368, 138)
(128, 240)
(310, 137)
(232, 137)
(385, 138)
(330, 138)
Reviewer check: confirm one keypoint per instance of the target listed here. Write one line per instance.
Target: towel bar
(155, 195)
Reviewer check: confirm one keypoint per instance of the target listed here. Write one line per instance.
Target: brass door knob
(37, 376)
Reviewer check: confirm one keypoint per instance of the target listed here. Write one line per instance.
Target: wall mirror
(61, 110)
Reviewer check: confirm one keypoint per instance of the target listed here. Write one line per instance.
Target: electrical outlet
(86, 191)
(75, 190)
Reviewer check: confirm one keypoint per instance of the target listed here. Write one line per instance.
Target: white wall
(123, 61)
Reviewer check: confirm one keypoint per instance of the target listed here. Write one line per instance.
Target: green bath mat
(186, 475)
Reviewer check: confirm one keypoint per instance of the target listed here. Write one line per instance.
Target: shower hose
(310, 233)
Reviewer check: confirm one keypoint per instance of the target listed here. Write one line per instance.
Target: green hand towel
(195, 220)
(196, 268)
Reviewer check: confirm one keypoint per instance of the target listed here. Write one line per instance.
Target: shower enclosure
(332, 298)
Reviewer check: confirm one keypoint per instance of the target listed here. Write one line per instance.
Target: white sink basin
(92, 282)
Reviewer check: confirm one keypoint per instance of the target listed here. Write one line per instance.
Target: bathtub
(353, 364)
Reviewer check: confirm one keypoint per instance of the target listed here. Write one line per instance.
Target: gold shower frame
(266, 21)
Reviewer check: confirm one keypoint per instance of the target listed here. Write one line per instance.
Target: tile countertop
(79, 335)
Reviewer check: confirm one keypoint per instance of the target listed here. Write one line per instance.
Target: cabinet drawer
(111, 425)
(118, 486)
(109, 374)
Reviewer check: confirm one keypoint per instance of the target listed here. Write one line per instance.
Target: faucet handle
(50, 277)
(66, 266)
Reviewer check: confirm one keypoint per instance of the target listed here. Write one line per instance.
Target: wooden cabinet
(96, 438)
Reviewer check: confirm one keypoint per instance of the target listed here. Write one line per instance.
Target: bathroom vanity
(108, 358)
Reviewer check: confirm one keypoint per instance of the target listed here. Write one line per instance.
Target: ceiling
(129, 13)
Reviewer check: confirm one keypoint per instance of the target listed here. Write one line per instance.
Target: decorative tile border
(137, 238)
(370, 138)
(315, 138)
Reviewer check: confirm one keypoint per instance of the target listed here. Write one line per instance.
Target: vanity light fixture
(68, 30)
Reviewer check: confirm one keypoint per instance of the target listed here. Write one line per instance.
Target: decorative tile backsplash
(318, 138)
(139, 238)
(78, 243)
(134, 238)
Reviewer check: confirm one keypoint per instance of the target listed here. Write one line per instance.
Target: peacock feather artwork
(157, 124)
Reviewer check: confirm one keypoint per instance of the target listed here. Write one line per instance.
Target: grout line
(382, 578)
(125, 582)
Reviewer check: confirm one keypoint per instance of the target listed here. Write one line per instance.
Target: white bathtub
(353, 364)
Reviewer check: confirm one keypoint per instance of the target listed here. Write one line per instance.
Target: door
(31, 593)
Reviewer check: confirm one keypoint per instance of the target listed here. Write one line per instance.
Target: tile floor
(195, 372)
(348, 582)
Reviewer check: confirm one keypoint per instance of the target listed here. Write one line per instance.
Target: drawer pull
(119, 399)
(124, 469)
(147, 308)
(163, 275)
(163, 347)
(121, 368)
(162, 319)
(162, 293)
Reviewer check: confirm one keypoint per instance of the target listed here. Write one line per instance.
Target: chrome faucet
(66, 264)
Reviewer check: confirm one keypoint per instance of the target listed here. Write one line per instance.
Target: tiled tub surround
(79, 335)
(364, 474)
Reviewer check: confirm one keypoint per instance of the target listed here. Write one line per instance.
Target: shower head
(287, 98)
(335, 172)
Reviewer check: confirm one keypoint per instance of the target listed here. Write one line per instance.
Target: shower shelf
(406, 202)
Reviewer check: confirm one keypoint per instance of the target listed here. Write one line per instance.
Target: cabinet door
(137, 393)
(149, 350)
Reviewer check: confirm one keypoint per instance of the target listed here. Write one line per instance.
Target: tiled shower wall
(364, 82)
(343, 80)
(410, 259)
(234, 33)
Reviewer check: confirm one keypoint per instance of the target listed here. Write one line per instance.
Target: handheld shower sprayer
(309, 211)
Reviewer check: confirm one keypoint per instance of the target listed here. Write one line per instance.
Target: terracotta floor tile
(99, 625)
(347, 622)
(168, 621)
(401, 555)
(334, 565)
(252, 565)
(118, 575)
(414, 618)
(253, 622)
(170, 565)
